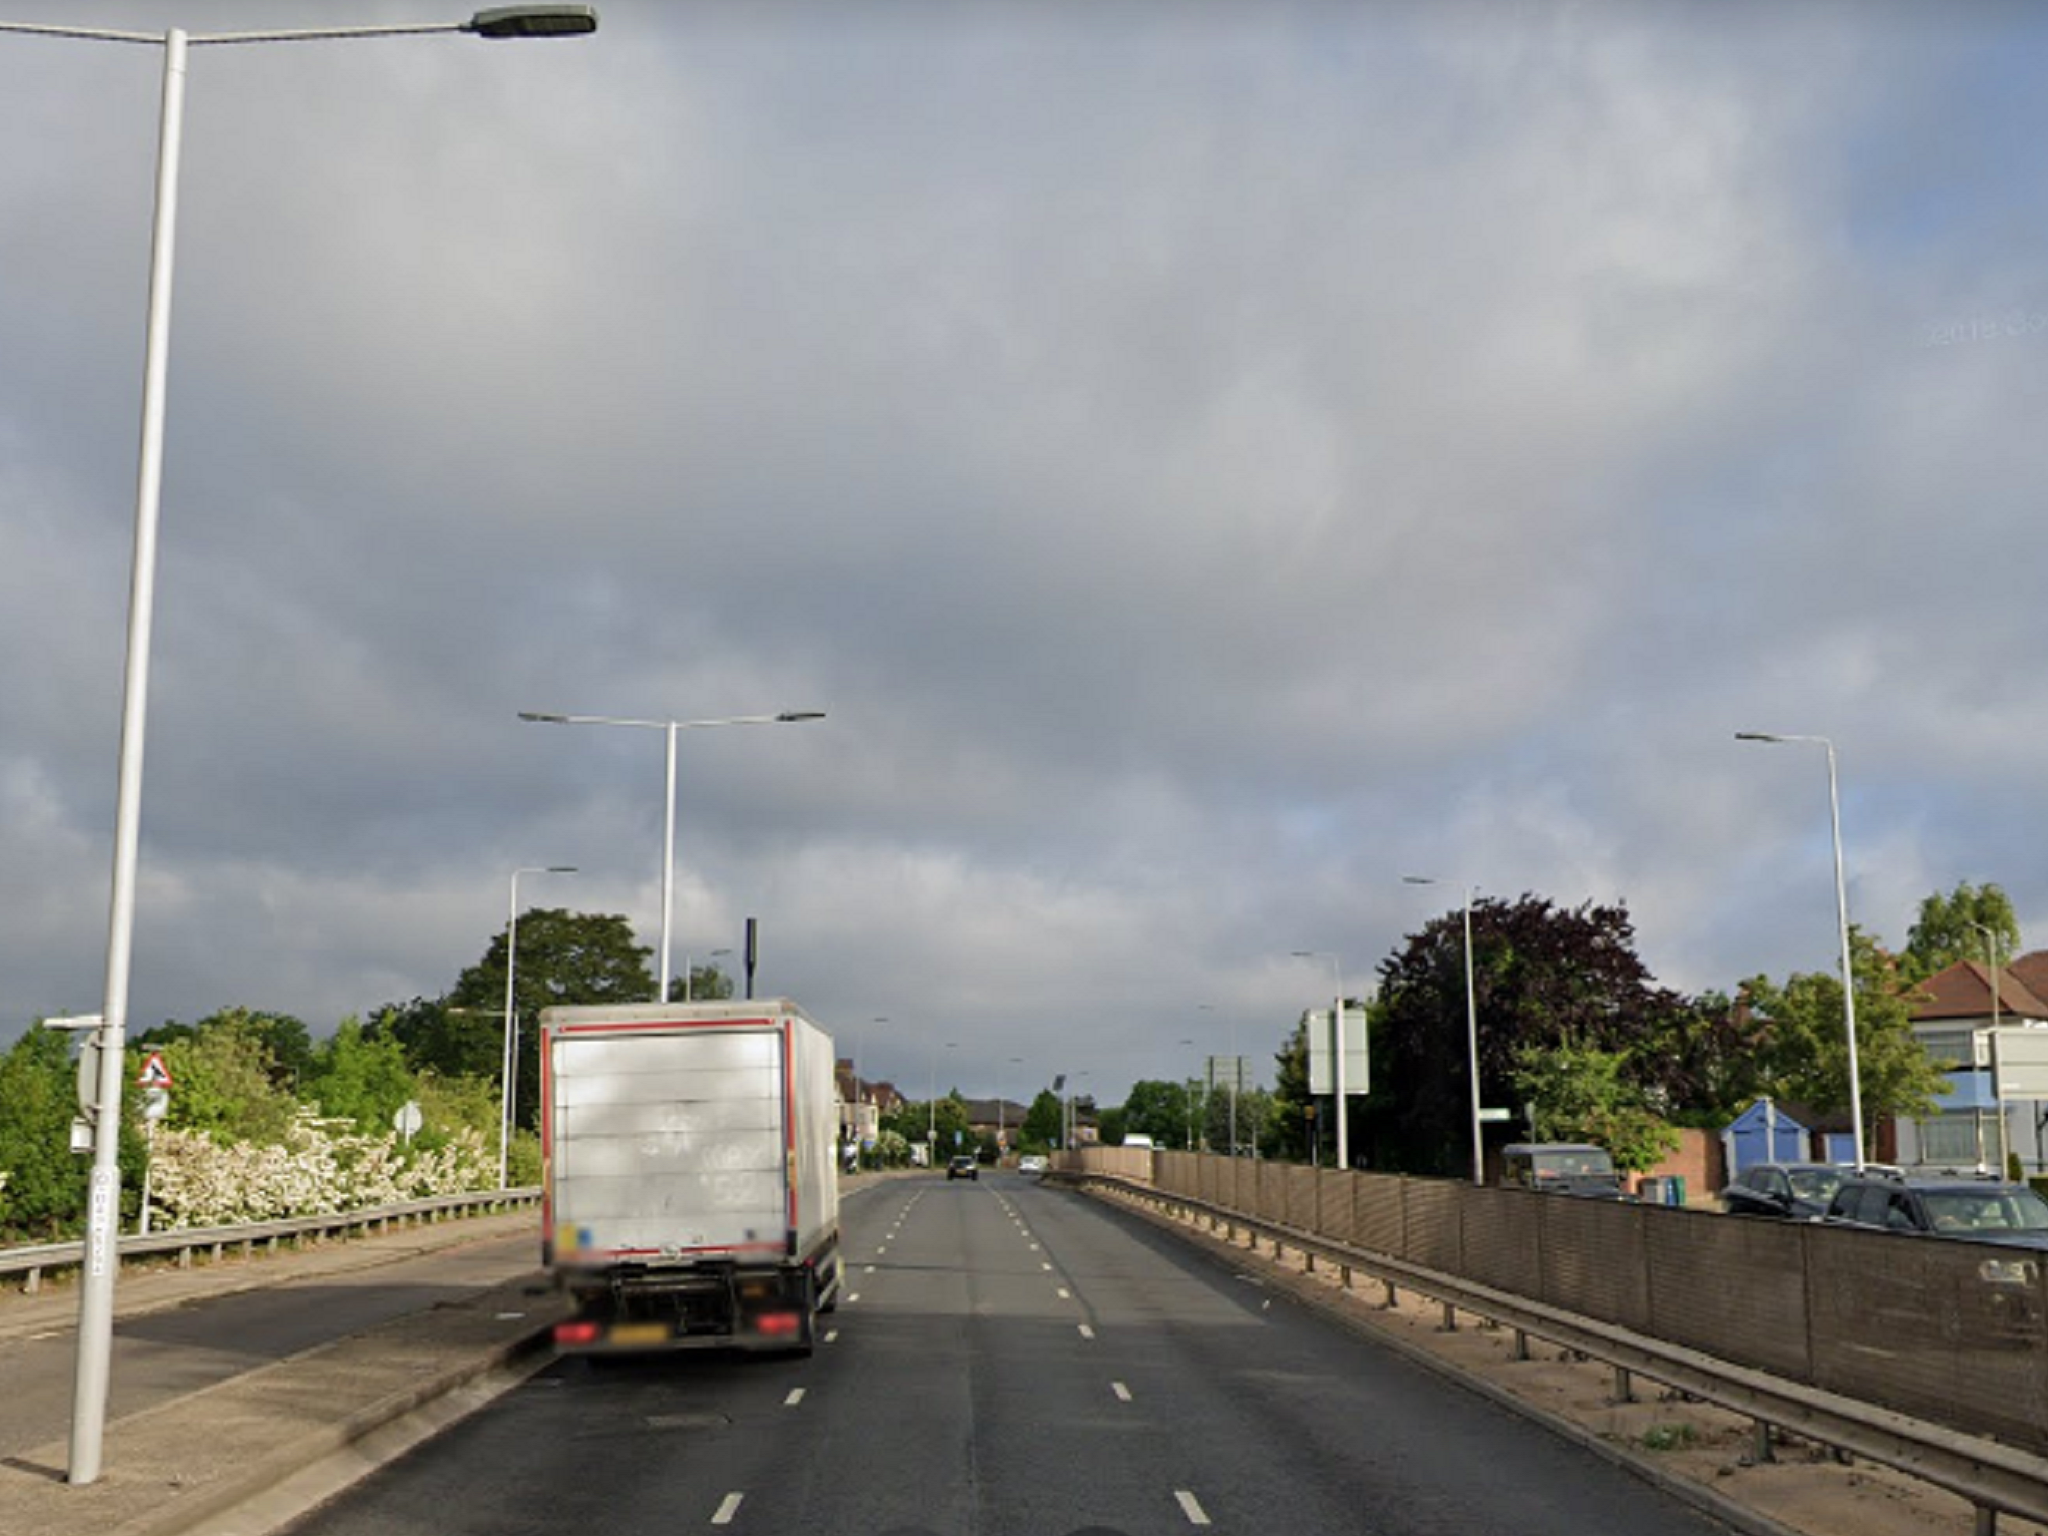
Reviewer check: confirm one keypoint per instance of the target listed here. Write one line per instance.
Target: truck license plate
(640, 1333)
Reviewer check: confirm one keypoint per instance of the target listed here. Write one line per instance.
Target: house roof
(2032, 970)
(1963, 990)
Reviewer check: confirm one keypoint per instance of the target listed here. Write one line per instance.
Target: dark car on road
(1789, 1191)
(1562, 1168)
(963, 1167)
(1949, 1205)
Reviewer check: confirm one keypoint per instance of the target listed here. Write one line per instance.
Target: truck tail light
(575, 1332)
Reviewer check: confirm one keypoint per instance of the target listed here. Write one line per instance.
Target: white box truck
(690, 1197)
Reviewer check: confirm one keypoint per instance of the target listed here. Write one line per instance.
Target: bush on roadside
(317, 1168)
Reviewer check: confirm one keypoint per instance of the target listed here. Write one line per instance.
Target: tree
(564, 958)
(1583, 1095)
(1163, 1111)
(946, 1117)
(1293, 1129)
(360, 1076)
(1543, 976)
(1806, 1050)
(1111, 1127)
(1948, 930)
(286, 1042)
(227, 1087)
(45, 1180)
(706, 984)
(1247, 1113)
(1042, 1122)
(1709, 1061)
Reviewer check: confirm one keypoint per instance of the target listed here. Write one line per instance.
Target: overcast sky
(1208, 461)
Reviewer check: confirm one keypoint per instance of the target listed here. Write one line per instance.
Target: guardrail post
(1987, 1521)
(1624, 1385)
(1762, 1449)
(1393, 1297)
(1450, 1322)
(1345, 1271)
(1521, 1349)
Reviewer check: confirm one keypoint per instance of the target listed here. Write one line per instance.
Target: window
(1952, 1049)
(1951, 1139)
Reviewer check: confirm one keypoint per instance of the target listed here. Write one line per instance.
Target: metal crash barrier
(31, 1265)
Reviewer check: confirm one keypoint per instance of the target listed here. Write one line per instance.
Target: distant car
(1982, 1210)
(1031, 1162)
(1788, 1191)
(963, 1167)
(1562, 1168)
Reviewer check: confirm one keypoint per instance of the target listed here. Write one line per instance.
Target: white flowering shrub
(321, 1166)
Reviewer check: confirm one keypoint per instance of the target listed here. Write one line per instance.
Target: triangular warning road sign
(154, 1073)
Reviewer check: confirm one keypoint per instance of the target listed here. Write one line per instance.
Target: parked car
(963, 1167)
(1562, 1168)
(1983, 1210)
(1031, 1162)
(1789, 1191)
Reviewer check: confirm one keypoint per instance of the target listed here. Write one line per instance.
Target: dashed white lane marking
(1123, 1393)
(1042, 1264)
(853, 1298)
(727, 1508)
(1191, 1507)
(867, 1269)
(1087, 1332)
(796, 1395)
(1065, 1294)
(1034, 1247)
(832, 1336)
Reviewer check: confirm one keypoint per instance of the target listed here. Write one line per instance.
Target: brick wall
(1700, 1162)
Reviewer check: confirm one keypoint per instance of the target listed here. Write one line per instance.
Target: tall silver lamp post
(96, 1293)
(1471, 1031)
(668, 835)
(1337, 1051)
(507, 1097)
(1841, 922)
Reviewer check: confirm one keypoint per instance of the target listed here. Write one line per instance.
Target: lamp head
(533, 21)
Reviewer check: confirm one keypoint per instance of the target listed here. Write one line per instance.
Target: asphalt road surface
(1010, 1360)
(166, 1354)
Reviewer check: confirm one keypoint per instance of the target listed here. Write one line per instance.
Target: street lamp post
(96, 1293)
(1337, 1051)
(1471, 1032)
(507, 1096)
(668, 834)
(1991, 966)
(1001, 1108)
(931, 1135)
(1841, 923)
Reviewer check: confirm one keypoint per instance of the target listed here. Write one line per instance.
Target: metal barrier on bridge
(31, 1264)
